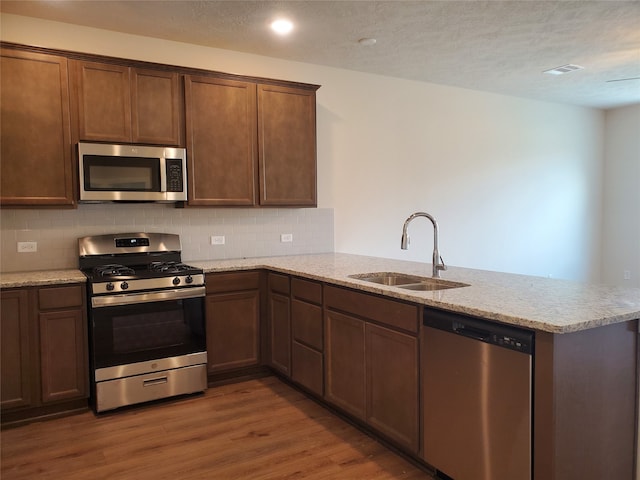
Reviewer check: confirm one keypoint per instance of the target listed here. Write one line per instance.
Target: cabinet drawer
(60, 297)
(279, 283)
(232, 282)
(306, 323)
(306, 290)
(307, 367)
(388, 312)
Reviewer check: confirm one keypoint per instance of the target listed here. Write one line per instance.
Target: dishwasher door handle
(471, 332)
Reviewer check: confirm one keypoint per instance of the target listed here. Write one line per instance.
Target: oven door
(133, 329)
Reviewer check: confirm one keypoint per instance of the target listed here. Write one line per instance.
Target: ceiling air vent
(563, 69)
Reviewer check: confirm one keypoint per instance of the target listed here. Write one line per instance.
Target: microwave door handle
(163, 174)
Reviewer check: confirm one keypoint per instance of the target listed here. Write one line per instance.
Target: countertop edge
(333, 269)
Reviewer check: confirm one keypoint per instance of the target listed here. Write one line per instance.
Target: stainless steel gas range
(146, 319)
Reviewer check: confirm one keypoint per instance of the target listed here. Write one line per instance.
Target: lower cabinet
(279, 313)
(307, 338)
(233, 320)
(44, 354)
(371, 362)
(17, 353)
(63, 343)
(392, 384)
(345, 363)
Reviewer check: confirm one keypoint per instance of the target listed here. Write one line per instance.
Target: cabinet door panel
(16, 358)
(62, 355)
(306, 323)
(280, 334)
(233, 332)
(345, 363)
(155, 99)
(306, 367)
(287, 139)
(221, 139)
(36, 167)
(104, 102)
(392, 384)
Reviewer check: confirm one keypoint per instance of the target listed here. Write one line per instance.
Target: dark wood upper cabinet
(37, 166)
(124, 104)
(155, 107)
(250, 141)
(250, 144)
(287, 146)
(221, 141)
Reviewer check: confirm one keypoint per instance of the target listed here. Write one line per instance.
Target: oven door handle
(147, 297)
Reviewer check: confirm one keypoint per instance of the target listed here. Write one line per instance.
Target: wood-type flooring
(258, 429)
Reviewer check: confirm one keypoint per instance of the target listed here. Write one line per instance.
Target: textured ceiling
(495, 46)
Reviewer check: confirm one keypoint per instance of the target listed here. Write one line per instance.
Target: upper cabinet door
(128, 105)
(104, 102)
(287, 140)
(155, 107)
(221, 141)
(36, 167)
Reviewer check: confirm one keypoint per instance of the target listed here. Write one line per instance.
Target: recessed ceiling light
(367, 41)
(282, 26)
(570, 67)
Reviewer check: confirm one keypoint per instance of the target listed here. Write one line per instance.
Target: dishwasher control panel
(493, 333)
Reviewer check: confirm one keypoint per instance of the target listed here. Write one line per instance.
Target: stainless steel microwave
(131, 173)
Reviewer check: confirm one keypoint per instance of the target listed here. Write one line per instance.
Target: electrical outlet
(286, 237)
(626, 274)
(217, 240)
(27, 247)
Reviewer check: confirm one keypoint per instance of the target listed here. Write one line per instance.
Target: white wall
(515, 184)
(621, 224)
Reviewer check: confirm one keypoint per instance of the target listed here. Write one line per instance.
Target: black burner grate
(169, 267)
(112, 270)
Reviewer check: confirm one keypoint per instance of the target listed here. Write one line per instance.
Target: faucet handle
(442, 265)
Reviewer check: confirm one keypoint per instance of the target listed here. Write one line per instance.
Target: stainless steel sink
(386, 278)
(408, 282)
(434, 284)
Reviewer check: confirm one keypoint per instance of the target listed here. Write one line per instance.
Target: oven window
(133, 174)
(147, 331)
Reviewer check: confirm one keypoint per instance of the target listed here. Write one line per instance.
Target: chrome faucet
(438, 263)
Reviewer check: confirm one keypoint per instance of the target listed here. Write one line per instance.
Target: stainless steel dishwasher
(477, 397)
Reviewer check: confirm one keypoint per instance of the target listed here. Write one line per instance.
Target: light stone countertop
(41, 277)
(550, 305)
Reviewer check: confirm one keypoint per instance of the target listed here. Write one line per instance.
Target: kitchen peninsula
(584, 373)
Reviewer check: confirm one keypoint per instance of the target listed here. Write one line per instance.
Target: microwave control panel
(174, 175)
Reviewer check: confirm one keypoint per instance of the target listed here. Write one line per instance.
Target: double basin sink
(408, 282)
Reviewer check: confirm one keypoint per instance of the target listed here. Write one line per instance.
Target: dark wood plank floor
(258, 429)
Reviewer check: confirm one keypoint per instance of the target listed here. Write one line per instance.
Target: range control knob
(124, 285)
(110, 286)
(189, 279)
(176, 281)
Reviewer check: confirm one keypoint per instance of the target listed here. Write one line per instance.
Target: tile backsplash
(248, 232)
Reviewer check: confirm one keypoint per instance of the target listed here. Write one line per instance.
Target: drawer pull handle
(155, 381)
